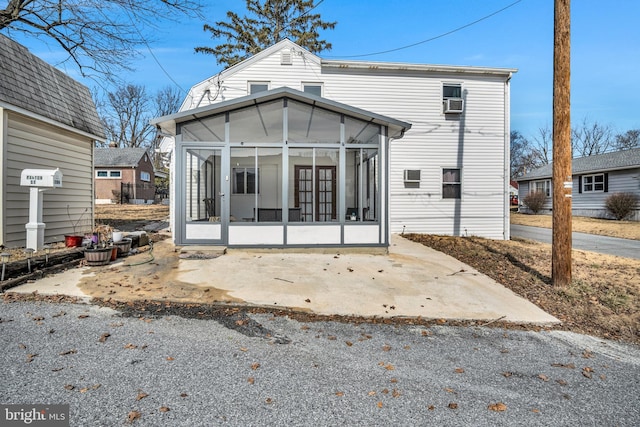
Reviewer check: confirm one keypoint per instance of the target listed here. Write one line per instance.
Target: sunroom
(280, 168)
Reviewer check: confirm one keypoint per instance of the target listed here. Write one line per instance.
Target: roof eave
(401, 66)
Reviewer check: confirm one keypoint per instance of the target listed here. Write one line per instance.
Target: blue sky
(605, 49)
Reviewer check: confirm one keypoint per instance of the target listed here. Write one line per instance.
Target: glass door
(203, 204)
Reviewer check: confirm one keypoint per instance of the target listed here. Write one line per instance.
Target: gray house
(594, 179)
(47, 121)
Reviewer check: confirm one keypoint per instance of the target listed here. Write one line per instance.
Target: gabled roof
(125, 157)
(618, 160)
(168, 123)
(31, 84)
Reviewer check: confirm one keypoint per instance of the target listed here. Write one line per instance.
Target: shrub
(621, 205)
(535, 201)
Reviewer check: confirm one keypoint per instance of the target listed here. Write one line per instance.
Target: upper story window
(593, 183)
(105, 174)
(145, 176)
(452, 101)
(255, 87)
(312, 88)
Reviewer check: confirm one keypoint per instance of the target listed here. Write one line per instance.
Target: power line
(430, 39)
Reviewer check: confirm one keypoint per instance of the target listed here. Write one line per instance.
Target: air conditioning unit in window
(412, 175)
(453, 105)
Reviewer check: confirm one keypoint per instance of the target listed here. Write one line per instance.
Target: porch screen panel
(258, 123)
(202, 184)
(361, 132)
(308, 123)
(206, 129)
(362, 184)
(244, 184)
(269, 200)
(314, 180)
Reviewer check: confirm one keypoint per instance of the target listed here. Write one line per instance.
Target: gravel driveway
(265, 370)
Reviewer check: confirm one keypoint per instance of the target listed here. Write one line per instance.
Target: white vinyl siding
(474, 140)
(34, 144)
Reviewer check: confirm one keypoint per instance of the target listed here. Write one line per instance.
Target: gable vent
(286, 58)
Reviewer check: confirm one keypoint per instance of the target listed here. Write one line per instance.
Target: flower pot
(114, 253)
(124, 246)
(73, 241)
(117, 236)
(99, 256)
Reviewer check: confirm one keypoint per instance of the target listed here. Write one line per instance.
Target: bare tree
(542, 147)
(100, 36)
(629, 139)
(591, 138)
(269, 21)
(126, 112)
(522, 157)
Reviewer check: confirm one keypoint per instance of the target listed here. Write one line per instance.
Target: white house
(288, 149)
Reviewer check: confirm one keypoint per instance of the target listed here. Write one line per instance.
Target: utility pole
(562, 179)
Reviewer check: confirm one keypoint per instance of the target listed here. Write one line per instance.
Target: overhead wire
(429, 39)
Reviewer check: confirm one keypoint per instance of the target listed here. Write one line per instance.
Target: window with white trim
(593, 183)
(145, 176)
(541, 186)
(451, 184)
(312, 88)
(255, 87)
(106, 174)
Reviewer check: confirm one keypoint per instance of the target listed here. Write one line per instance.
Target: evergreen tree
(268, 22)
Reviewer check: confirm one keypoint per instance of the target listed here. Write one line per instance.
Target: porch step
(202, 252)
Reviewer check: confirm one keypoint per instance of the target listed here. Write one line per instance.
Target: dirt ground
(602, 300)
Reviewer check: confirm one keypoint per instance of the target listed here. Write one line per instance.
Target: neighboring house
(124, 175)
(47, 121)
(513, 192)
(288, 149)
(594, 179)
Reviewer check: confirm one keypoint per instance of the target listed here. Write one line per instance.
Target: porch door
(324, 196)
(203, 218)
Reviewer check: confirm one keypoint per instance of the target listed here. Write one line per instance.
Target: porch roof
(168, 123)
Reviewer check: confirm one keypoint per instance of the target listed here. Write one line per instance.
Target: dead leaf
(504, 350)
(244, 349)
(395, 393)
(385, 391)
(304, 327)
(389, 367)
(441, 321)
(507, 374)
(498, 407)
(38, 318)
(407, 347)
(103, 337)
(268, 401)
(69, 387)
(372, 393)
(141, 395)
(431, 407)
(339, 393)
(350, 269)
(379, 404)
(83, 316)
(586, 373)
(251, 380)
(57, 369)
(164, 409)
(72, 351)
(543, 377)
(30, 357)
(459, 370)
(169, 358)
(561, 382)
(84, 390)
(563, 365)
(386, 348)
(183, 395)
(537, 411)
(393, 380)
(22, 346)
(449, 390)
(133, 415)
(453, 405)
(426, 333)
(603, 377)
(130, 346)
(332, 337)
(587, 354)
(255, 366)
(348, 343)
(307, 300)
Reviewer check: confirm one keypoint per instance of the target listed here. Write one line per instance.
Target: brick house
(123, 175)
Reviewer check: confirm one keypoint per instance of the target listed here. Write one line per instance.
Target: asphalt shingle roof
(128, 157)
(31, 84)
(617, 160)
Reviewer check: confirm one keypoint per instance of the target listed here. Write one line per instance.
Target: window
(312, 88)
(108, 174)
(451, 184)
(255, 87)
(145, 176)
(593, 183)
(542, 186)
(244, 181)
(451, 91)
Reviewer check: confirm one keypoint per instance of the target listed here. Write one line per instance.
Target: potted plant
(100, 252)
(75, 239)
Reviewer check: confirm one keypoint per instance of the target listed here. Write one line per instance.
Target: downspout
(507, 160)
